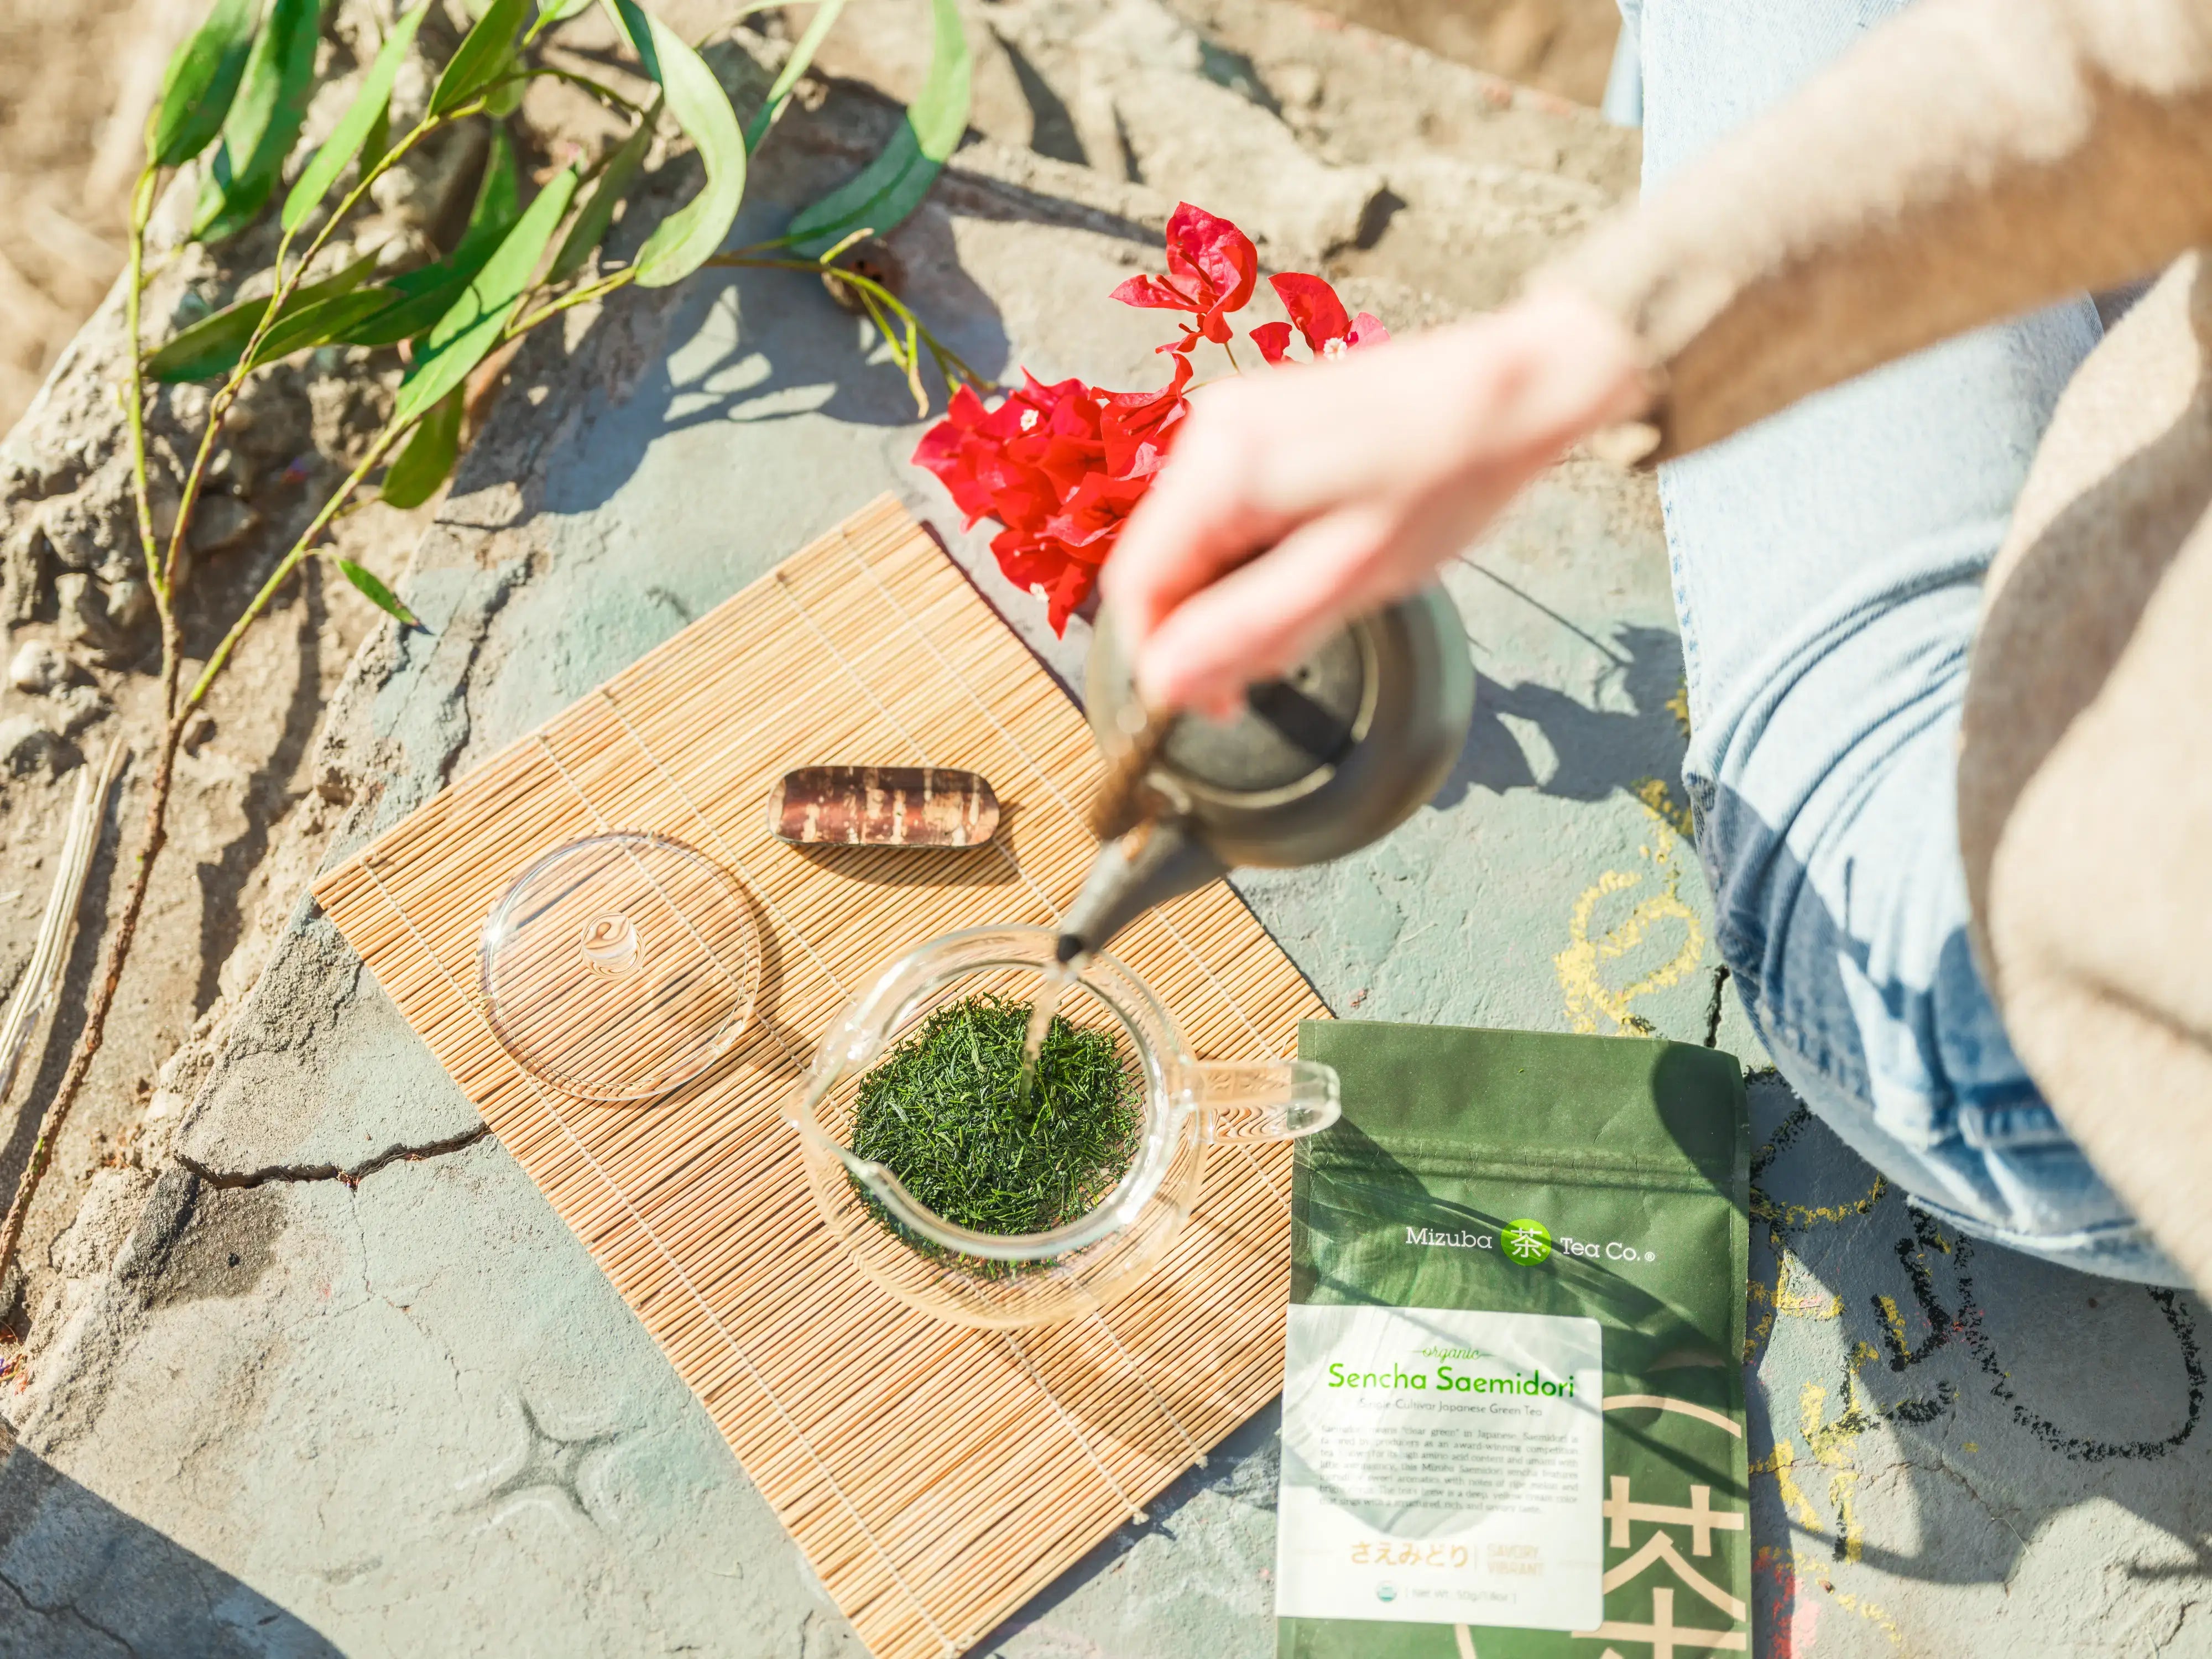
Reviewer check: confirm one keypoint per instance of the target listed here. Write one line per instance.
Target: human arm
(1968, 160)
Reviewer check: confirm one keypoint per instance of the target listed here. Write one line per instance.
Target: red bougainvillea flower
(1060, 467)
(1320, 315)
(1212, 268)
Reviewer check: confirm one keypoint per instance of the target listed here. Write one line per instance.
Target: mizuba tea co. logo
(1526, 1242)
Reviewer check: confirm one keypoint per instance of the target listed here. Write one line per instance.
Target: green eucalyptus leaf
(409, 309)
(199, 83)
(419, 297)
(467, 332)
(379, 139)
(330, 321)
(264, 122)
(503, 99)
(371, 109)
(497, 206)
(485, 53)
(802, 55)
(429, 457)
(214, 344)
(892, 185)
(380, 596)
(590, 227)
(685, 240)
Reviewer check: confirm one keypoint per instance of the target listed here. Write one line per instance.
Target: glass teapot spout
(1156, 861)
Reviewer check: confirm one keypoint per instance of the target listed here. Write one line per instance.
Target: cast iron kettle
(1322, 761)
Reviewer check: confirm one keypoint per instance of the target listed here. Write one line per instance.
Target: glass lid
(621, 966)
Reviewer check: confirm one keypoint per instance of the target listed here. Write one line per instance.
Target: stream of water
(1057, 978)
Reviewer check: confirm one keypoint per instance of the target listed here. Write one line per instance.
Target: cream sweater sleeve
(1968, 160)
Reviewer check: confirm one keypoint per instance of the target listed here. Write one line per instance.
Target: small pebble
(82, 706)
(221, 522)
(27, 747)
(1298, 85)
(39, 669)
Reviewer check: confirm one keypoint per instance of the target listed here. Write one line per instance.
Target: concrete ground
(341, 1383)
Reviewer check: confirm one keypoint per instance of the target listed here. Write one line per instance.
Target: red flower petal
(1153, 293)
(1367, 330)
(1222, 259)
(1313, 306)
(1273, 340)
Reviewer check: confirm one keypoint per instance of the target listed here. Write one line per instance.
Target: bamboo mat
(936, 1477)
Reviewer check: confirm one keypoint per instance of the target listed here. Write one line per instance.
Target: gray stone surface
(347, 1385)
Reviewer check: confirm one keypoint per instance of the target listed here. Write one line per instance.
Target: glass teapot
(1004, 1280)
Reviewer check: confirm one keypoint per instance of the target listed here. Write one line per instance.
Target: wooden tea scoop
(883, 806)
(1124, 799)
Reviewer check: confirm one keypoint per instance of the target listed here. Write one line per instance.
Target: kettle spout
(1153, 863)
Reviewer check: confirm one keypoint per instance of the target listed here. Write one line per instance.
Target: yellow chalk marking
(1579, 965)
(1782, 1464)
(1801, 1216)
(1832, 1444)
(1659, 800)
(1783, 1300)
(1895, 1321)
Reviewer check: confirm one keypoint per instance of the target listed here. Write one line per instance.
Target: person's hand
(1298, 499)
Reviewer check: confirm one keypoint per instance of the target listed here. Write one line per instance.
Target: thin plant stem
(787, 80)
(118, 953)
(548, 71)
(300, 550)
(174, 713)
(590, 291)
(134, 392)
(868, 288)
(219, 406)
(1229, 352)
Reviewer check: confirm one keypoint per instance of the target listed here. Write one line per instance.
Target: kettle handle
(1264, 1100)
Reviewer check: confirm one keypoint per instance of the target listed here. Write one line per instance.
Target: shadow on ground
(1926, 1407)
(80, 1578)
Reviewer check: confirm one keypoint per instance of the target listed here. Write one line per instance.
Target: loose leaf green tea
(944, 1112)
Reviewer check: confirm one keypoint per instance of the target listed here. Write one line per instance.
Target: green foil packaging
(1513, 1406)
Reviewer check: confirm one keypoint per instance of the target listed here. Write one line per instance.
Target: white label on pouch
(1441, 1468)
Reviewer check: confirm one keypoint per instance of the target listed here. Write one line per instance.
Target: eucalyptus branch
(383, 164)
(219, 406)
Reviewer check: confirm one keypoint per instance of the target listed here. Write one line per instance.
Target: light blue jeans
(1827, 569)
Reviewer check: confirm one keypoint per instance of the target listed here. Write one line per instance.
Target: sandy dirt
(77, 78)
(1559, 46)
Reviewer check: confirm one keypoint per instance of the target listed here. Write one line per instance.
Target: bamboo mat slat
(935, 1477)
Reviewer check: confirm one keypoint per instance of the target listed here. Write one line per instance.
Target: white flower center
(1334, 348)
(1029, 419)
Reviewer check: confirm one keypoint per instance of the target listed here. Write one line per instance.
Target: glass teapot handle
(1264, 1099)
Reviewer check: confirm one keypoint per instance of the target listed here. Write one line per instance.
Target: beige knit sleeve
(1968, 160)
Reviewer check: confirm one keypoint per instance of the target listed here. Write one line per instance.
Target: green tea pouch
(1513, 1422)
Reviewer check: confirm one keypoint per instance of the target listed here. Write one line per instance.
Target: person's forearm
(1969, 160)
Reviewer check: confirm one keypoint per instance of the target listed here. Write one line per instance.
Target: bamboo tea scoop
(883, 806)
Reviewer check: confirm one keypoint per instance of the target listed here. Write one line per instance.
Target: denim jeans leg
(1828, 567)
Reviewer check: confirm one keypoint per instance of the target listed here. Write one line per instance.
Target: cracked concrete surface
(335, 1379)
(351, 1175)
